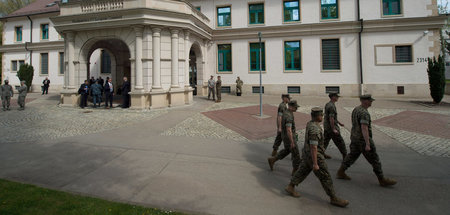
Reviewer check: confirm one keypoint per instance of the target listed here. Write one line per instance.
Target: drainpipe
(31, 41)
(361, 23)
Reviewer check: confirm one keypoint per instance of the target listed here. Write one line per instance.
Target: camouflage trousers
(337, 139)
(306, 166)
(219, 93)
(6, 101)
(21, 101)
(358, 147)
(287, 150)
(278, 141)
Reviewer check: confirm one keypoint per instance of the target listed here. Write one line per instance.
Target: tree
(436, 78)
(26, 73)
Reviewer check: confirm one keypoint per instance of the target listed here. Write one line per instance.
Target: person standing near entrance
(361, 142)
(331, 126)
(126, 88)
(22, 94)
(239, 84)
(46, 84)
(84, 92)
(109, 93)
(211, 86)
(281, 109)
(219, 89)
(7, 92)
(96, 90)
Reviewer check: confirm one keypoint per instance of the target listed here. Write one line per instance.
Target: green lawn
(17, 198)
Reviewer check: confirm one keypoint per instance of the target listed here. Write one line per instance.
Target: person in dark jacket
(96, 90)
(46, 84)
(84, 92)
(92, 81)
(126, 88)
(109, 93)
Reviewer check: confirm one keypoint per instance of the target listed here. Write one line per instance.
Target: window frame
(40, 64)
(338, 10)
(392, 15)
(42, 31)
(231, 56)
(17, 64)
(217, 16)
(61, 73)
(264, 70)
(15, 34)
(394, 63)
(284, 10)
(321, 55)
(101, 62)
(263, 11)
(284, 57)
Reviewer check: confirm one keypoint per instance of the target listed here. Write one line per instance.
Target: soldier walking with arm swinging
(281, 109)
(331, 126)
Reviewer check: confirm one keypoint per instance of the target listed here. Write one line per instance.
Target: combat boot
(271, 161)
(274, 153)
(291, 190)
(341, 174)
(385, 182)
(294, 170)
(338, 202)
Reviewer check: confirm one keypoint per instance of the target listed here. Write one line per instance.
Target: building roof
(37, 7)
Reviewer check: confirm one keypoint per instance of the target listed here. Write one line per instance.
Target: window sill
(43, 75)
(224, 72)
(293, 71)
(256, 72)
(330, 20)
(18, 42)
(390, 16)
(256, 25)
(223, 27)
(292, 22)
(330, 71)
(395, 64)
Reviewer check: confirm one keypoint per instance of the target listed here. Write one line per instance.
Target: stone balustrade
(97, 6)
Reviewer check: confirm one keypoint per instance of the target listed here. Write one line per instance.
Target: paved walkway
(180, 159)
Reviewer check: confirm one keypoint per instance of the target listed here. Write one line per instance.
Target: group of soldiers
(215, 88)
(6, 91)
(316, 142)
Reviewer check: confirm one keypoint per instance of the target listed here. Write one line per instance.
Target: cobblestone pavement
(41, 122)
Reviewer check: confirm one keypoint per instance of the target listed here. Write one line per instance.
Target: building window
(254, 57)
(226, 89)
(224, 57)
(293, 90)
(292, 55)
(392, 7)
(291, 11)
(329, 9)
(403, 54)
(332, 89)
(44, 31)
(198, 8)
(18, 32)
(331, 59)
(61, 63)
(44, 63)
(105, 62)
(224, 16)
(16, 64)
(256, 13)
(255, 89)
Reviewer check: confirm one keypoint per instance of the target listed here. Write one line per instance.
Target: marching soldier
(281, 109)
(313, 160)
(22, 94)
(6, 92)
(219, 89)
(289, 137)
(331, 126)
(361, 142)
(239, 84)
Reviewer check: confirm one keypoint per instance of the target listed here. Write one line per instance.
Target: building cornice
(41, 46)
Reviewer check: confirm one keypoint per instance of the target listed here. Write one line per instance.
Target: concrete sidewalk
(145, 164)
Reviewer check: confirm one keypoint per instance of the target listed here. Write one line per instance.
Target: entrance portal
(193, 71)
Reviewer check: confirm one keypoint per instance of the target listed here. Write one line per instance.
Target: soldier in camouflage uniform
(219, 89)
(331, 126)
(281, 109)
(313, 160)
(239, 84)
(289, 136)
(361, 142)
(22, 94)
(6, 92)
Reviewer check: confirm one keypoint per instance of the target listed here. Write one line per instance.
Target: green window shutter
(44, 30)
(291, 11)
(61, 63)
(18, 34)
(224, 16)
(329, 9)
(254, 57)
(256, 13)
(224, 57)
(44, 63)
(392, 7)
(331, 59)
(403, 54)
(292, 55)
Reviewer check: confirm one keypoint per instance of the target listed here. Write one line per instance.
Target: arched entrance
(196, 68)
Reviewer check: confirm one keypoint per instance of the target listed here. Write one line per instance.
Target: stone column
(156, 76)
(138, 57)
(174, 57)
(187, 50)
(70, 59)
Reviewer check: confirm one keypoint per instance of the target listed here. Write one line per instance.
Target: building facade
(169, 48)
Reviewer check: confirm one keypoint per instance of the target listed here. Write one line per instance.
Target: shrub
(26, 73)
(436, 78)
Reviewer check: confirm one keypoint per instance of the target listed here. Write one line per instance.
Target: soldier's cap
(316, 110)
(366, 97)
(333, 94)
(293, 103)
(285, 96)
